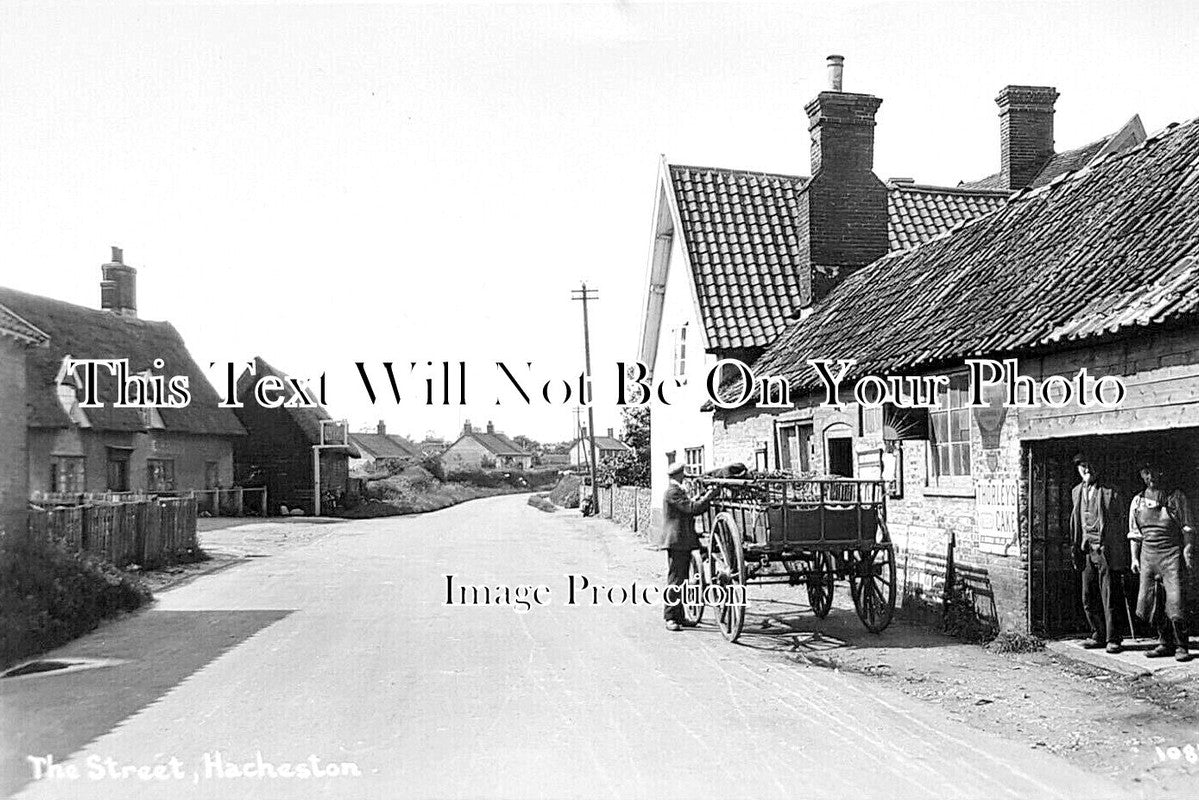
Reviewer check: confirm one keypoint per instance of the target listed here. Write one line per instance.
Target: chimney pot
(836, 71)
(490, 426)
(381, 428)
(117, 255)
(466, 428)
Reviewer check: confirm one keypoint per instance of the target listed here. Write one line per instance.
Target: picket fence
(150, 533)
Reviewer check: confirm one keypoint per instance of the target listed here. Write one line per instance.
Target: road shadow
(57, 714)
(788, 626)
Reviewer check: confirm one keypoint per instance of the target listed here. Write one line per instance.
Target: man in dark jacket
(1098, 535)
(678, 537)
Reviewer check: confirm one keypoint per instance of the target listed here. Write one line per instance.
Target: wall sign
(997, 512)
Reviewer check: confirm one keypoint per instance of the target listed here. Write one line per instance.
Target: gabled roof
(306, 418)
(495, 443)
(384, 445)
(1130, 135)
(82, 332)
(744, 236)
(1111, 248)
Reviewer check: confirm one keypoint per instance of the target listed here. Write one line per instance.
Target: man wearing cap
(678, 532)
(1099, 534)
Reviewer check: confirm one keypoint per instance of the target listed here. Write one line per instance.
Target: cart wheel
(726, 565)
(694, 614)
(872, 584)
(821, 582)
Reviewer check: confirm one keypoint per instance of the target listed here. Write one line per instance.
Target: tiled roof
(918, 213)
(12, 325)
(1098, 252)
(744, 237)
(307, 418)
(83, 332)
(1061, 163)
(606, 443)
(384, 445)
(496, 443)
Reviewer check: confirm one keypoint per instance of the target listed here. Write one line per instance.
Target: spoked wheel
(726, 565)
(821, 582)
(872, 583)
(693, 614)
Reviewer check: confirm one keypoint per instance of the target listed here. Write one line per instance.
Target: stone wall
(628, 506)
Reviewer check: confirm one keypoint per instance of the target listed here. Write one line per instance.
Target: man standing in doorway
(1098, 532)
(678, 528)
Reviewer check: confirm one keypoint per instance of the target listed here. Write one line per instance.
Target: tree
(633, 469)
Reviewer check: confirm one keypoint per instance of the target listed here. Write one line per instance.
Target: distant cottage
(606, 448)
(381, 449)
(485, 449)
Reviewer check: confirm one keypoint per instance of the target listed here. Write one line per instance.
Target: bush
(542, 503)
(434, 467)
(566, 493)
(49, 595)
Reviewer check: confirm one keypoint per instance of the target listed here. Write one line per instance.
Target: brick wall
(14, 476)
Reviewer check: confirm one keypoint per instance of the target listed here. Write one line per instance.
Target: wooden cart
(795, 530)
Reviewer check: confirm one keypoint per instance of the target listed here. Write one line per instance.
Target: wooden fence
(149, 533)
(235, 501)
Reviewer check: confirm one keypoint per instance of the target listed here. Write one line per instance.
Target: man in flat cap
(1099, 531)
(679, 511)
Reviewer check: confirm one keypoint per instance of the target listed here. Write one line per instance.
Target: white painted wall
(680, 424)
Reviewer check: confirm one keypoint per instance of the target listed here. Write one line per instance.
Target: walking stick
(1131, 628)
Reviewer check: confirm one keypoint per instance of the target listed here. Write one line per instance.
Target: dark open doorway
(1055, 607)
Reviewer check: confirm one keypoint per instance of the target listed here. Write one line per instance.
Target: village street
(339, 650)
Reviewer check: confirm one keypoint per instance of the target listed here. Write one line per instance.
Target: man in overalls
(1162, 545)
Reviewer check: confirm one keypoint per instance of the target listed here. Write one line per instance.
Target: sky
(326, 184)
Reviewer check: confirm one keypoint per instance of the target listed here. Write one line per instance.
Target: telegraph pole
(585, 295)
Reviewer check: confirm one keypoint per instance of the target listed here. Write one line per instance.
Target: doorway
(1055, 605)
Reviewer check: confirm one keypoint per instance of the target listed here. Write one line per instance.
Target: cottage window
(160, 475)
(950, 423)
(695, 460)
(67, 474)
(680, 351)
(794, 447)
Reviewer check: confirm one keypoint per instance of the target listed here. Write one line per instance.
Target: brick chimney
(118, 286)
(1025, 132)
(466, 428)
(490, 426)
(381, 428)
(846, 202)
(610, 436)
